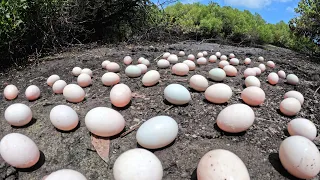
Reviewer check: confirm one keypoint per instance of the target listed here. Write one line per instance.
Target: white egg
(260, 59)
(253, 95)
(234, 61)
(262, 67)
(302, 127)
(222, 64)
(290, 106)
(218, 54)
(294, 94)
(236, 118)
(273, 78)
(198, 83)
(66, 174)
(87, 71)
(84, 80)
(218, 93)
(252, 81)
(105, 122)
(157, 132)
(110, 79)
(64, 117)
(217, 74)
(73, 93)
(205, 53)
(190, 64)
(166, 55)
(213, 58)
(182, 53)
(52, 79)
(151, 78)
(249, 72)
(180, 69)
(10, 92)
(223, 58)
(113, 67)
(143, 68)
(173, 59)
(120, 95)
(76, 71)
(137, 164)
(220, 164)
(230, 70)
(247, 61)
(200, 54)
(231, 56)
(271, 64)
(177, 94)
(104, 64)
(300, 157)
(19, 151)
(258, 71)
(292, 79)
(146, 62)
(282, 74)
(127, 60)
(18, 114)
(142, 58)
(191, 57)
(202, 61)
(58, 86)
(162, 63)
(32, 93)
(133, 71)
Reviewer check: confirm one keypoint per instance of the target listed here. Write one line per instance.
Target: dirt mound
(198, 134)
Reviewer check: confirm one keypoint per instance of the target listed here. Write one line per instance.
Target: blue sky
(272, 11)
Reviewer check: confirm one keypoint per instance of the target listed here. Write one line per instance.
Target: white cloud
(254, 4)
(189, 1)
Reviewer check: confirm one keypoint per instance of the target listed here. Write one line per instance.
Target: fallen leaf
(102, 146)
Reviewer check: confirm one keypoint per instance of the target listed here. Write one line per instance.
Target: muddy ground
(198, 134)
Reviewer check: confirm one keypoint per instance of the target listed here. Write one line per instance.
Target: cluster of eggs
(160, 131)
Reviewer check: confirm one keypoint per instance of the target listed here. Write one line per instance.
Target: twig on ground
(316, 91)
(132, 128)
(158, 57)
(168, 108)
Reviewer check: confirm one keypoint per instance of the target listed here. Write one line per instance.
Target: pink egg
(190, 64)
(218, 93)
(247, 61)
(202, 61)
(151, 78)
(213, 58)
(84, 80)
(253, 96)
(143, 68)
(52, 79)
(58, 86)
(262, 67)
(32, 93)
(110, 78)
(73, 93)
(198, 83)
(222, 64)
(19, 150)
(290, 106)
(120, 95)
(127, 60)
(258, 71)
(10, 92)
(271, 64)
(230, 70)
(235, 118)
(191, 57)
(180, 69)
(113, 67)
(282, 74)
(273, 78)
(295, 94)
(249, 72)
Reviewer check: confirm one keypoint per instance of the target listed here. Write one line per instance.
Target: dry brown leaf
(102, 146)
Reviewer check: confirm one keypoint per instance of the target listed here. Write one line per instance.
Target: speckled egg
(253, 96)
(213, 58)
(220, 164)
(177, 94)
(120, 95)
(137, 164)
(198, 83)
(294, 94)
(217, 74)
(273, 78)
(157, 132)
(113, 67)
(234, 61)
(230, 70)
(110, 79)
(133, 71)
(162, 63)
(292, 79)
(58, 86)
(300, 157)
(19, 151)
(290, 106)
(252, 81)
(302, 127)
(73, 93)
(104, 122)
(222, 64)
(218, 93)
(52, 79)
(173, 59)
(190, 64)
(249, 72)
(32, 93)
(180, 69)
(143, 68)
(10, 92)
(282, 74)
(235, 118)
(64, 117)
(18, 114)
(151, 78)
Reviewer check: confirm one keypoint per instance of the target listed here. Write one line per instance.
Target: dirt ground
(258, 147)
